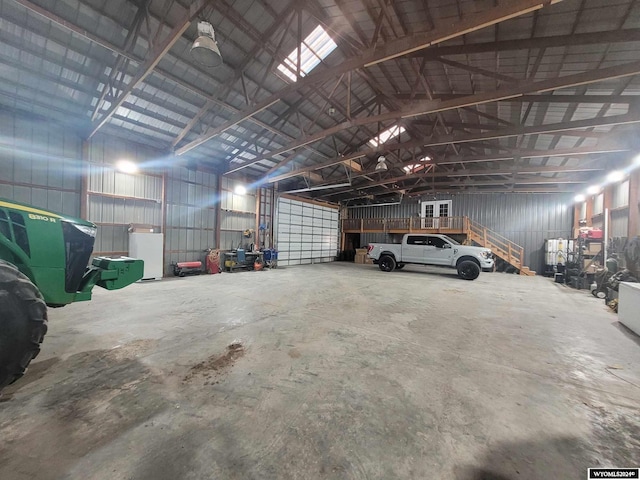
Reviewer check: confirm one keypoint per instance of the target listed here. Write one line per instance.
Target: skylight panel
(315, 48)
(417, 166)
(386, 135)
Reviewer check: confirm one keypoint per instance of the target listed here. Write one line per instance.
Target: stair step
(527, 271)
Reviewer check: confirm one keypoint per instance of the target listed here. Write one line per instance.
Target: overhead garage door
(306, 233)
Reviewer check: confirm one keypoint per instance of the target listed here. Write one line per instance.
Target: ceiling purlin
(152, 59)
(417, 66)
(621, 88)
(367, 106)
(472, 172)
(347, 114)
(393, 49)
(237, 74)
(277, 56)
(114, 85)
(423, 108)
(629, 118)
(114, 48)
(542, 112)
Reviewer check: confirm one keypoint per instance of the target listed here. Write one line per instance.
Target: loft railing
(413, 224)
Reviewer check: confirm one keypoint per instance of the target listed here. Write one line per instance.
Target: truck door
(438, 251)
(413, 250)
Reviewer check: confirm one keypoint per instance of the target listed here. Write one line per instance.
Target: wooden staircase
(502, 247)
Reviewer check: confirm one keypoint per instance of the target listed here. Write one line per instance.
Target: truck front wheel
(468, 270)
(23, 323)
(387, 263)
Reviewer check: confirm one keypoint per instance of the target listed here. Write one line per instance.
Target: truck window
(5, 230)
(437, 242)
(20, 232)
(416, 240)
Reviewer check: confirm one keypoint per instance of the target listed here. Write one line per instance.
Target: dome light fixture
(615, 176)
(593, 189)
(240, 190)
(382, 164)
(579, 198)
(127, 166)
(205, 49)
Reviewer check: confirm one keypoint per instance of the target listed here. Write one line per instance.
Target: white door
(434, 214)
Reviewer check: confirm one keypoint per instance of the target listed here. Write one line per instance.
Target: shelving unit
(588, 256)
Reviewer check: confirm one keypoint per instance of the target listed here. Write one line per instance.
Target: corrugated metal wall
(619, 223)
(39, 164)
(191, 215)
(237, 214)
(620, 195)
(526, 219)
(117, 199)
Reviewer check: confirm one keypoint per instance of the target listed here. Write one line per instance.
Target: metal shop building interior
(319, 239)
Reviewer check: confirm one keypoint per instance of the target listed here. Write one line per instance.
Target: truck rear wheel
(468, 270)
(387, 263)
(23, 323)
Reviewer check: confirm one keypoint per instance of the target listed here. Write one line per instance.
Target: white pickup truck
(432, 250)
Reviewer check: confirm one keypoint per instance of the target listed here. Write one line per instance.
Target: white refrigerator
(147, 247)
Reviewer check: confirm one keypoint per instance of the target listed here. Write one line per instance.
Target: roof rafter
(154, 57)
(393, 49)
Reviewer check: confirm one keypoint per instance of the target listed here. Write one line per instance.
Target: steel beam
(435, 106)
(591, 38)
(509, 132)
(153, 59)
(390, 50)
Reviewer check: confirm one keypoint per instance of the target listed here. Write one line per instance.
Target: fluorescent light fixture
(319, 187)
(409, 168)
(386, 135)
(615, 176)
(579, 198)
(593, 189)
(375, 205)
(240, 190)
(315, 48)
(126, 166)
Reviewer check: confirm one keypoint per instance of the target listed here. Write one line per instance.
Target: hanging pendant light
(205, 49)
(382, 164)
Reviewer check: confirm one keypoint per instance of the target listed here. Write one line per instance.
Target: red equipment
(181, 269)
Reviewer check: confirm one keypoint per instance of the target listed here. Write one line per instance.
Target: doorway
(435, 214)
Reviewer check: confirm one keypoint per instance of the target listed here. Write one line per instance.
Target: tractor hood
(13, 205)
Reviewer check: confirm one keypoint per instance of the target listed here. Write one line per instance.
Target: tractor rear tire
(23, 323)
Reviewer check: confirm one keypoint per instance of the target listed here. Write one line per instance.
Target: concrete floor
(344, 372)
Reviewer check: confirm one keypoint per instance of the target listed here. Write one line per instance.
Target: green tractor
(43, 261)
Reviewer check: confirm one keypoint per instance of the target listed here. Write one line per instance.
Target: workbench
(250, 259)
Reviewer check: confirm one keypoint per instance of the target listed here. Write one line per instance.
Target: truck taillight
(369, 248)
